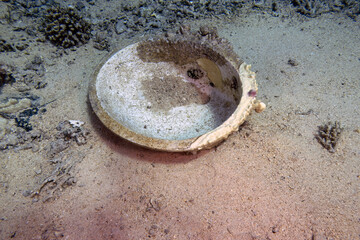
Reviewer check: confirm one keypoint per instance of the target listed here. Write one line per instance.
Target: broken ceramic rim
(204, 54)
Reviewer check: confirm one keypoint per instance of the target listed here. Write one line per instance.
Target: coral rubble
(6, 74)
(328, 135)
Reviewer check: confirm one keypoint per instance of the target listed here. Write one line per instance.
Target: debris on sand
(62, 159)
(328, 135)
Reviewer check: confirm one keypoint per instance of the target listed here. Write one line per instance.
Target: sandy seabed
(270, 180)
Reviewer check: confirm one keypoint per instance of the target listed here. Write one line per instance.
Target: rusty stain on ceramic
(179, 93)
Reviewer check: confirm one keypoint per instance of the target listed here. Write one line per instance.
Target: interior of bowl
(168, 90)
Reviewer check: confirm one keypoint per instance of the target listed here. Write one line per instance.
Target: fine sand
(270, 180)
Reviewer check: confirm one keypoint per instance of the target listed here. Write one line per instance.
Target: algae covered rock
(64, 27)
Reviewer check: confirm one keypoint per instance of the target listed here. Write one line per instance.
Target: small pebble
(120, 27)
(292, 62)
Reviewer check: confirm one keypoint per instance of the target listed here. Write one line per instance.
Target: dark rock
(292, 62)
(209, 31)
(39, 84)
(195, 73)
(24, 123)
(22, 46)
(79, 5)
(23, 118)
(6, 74)
(6, 47)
